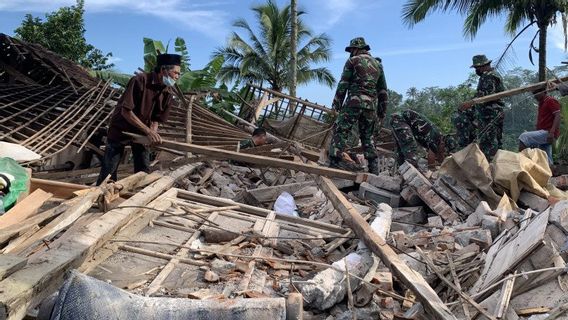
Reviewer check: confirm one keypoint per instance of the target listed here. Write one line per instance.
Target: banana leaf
(151, 50)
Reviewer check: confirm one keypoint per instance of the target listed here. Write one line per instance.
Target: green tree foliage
(520, 13)
(266, 55)
(63, 32)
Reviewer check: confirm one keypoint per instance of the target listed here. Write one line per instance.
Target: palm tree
(520, 13)
(266, 57)
(294, 48)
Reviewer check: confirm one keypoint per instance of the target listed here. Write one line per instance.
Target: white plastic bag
(286, 205)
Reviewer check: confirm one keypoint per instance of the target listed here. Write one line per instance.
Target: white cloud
(334, 10)
(114, 59)
(557, 36)
(202, 16)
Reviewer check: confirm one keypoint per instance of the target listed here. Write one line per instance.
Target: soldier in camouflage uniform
(363, 82)
(482, 123)
(258, 139)
(411, 129)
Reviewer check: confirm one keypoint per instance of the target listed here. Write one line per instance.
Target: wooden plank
(532, 87)
(44, 272)
(249, 158)
(27, 207)
(77, 210)
(511, 253)
(61, 190)
(526, 312)
(129, 231)
(412, 279)
(59, 223)
(156, 284)
(10, 264)
(506, 292)
(19, 228)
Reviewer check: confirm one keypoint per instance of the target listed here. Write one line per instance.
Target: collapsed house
(272, 236)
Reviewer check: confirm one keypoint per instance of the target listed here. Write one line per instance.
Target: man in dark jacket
(145, 103)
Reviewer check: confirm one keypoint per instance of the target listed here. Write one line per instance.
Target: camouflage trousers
(482, 124)
(348, 118)
(411, 129)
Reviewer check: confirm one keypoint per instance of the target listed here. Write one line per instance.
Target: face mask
(168, 81)
(478, 72)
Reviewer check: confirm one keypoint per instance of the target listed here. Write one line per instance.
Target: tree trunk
(293, 47)
(542, 51)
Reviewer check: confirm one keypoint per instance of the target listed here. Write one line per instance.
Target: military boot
(374, 166)
(338, 163)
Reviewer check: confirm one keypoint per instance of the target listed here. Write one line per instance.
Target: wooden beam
(248, 158)
(59, 223)
(44, 272)
(506, 292)
(10, 264)
(410, 278)
(76, 211)
(61, 190)
(25, 208)
(532, 87)
(21, 227)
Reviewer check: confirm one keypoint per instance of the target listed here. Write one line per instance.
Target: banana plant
(151, 50)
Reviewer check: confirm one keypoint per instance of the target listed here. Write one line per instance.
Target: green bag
(17, 186)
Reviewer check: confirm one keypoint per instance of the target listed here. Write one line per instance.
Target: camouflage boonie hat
(479, 60)
(358, 43)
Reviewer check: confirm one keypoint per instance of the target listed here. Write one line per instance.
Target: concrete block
(452, 198)
(532, 201)
(405, 219)
(544, 256)
(404, 227)
(471, 197)
(385, 182)
(491, 223)
(475, 218)
(559, 214)
(424, 189)
(556, 235)
(368, 192)
(415, 215)
(435, 221)
(480, 237)
(411, 198)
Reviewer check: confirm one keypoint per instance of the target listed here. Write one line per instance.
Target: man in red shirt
(547, 125)
(146, 101)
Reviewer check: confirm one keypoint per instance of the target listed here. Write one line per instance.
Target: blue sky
(432, 53)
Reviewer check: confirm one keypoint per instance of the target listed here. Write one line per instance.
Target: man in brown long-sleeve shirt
(145, 103)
